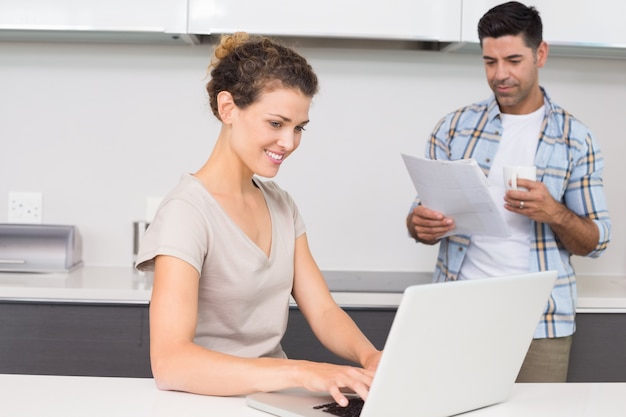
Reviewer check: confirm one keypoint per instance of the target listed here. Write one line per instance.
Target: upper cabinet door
(161, 16)
(565, 22)
(403, 19)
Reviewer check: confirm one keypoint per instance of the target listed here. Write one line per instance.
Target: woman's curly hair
(246, 65)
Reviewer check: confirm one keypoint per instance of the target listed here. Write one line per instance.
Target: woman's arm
(331, 325)
(180, 364)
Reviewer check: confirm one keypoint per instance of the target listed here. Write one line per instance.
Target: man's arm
(579, 235)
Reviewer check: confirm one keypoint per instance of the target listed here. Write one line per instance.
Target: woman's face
(265, 133)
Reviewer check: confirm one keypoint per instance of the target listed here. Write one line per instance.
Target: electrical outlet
(25, 207)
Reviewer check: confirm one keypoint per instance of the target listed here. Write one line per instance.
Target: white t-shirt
(491, 256)
(243, 300)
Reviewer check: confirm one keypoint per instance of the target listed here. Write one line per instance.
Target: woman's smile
(275, 157)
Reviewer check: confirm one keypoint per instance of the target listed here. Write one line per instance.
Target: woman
(228, 250)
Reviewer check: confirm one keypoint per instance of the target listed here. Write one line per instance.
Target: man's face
(512, 72)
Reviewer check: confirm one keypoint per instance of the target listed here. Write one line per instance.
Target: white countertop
(601, 294)
(70, 396)
(84, 284)
(119, 285)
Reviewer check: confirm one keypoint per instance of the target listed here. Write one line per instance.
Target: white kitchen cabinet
(146, 16)
(565, 22)
(404, 20)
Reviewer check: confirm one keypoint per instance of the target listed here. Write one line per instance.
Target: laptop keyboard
(353, 409)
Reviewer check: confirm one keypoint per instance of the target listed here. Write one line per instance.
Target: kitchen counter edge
(351, 289)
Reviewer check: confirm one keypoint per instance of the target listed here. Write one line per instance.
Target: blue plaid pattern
(569, 163)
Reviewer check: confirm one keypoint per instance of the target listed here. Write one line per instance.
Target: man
(561, 214)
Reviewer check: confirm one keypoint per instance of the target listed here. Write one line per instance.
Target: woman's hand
(325, 377)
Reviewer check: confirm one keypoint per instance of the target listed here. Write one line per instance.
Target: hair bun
(228, 43)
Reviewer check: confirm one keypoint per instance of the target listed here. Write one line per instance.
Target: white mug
(512, 173)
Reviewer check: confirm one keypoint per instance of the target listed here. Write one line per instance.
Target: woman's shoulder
(187, 200)
(188, 189)
(187, 184)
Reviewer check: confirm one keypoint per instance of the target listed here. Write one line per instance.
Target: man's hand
(578, 234)
(428, 226)
(537, 203)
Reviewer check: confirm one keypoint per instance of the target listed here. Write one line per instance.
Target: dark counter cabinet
(598, 348)
(74, 339)
(112, 340)
(300, 342)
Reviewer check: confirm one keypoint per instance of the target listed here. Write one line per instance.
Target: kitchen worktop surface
(67, 396)
(84, 284)
(90, 284)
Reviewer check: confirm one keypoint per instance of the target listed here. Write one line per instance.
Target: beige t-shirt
(243, 299)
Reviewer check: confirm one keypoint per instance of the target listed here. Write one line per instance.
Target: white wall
(100, 128)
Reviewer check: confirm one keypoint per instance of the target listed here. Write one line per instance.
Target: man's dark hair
(512, 18)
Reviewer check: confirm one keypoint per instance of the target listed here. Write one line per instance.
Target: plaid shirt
(569, 163)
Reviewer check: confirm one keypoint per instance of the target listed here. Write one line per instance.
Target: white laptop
(453, 347)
